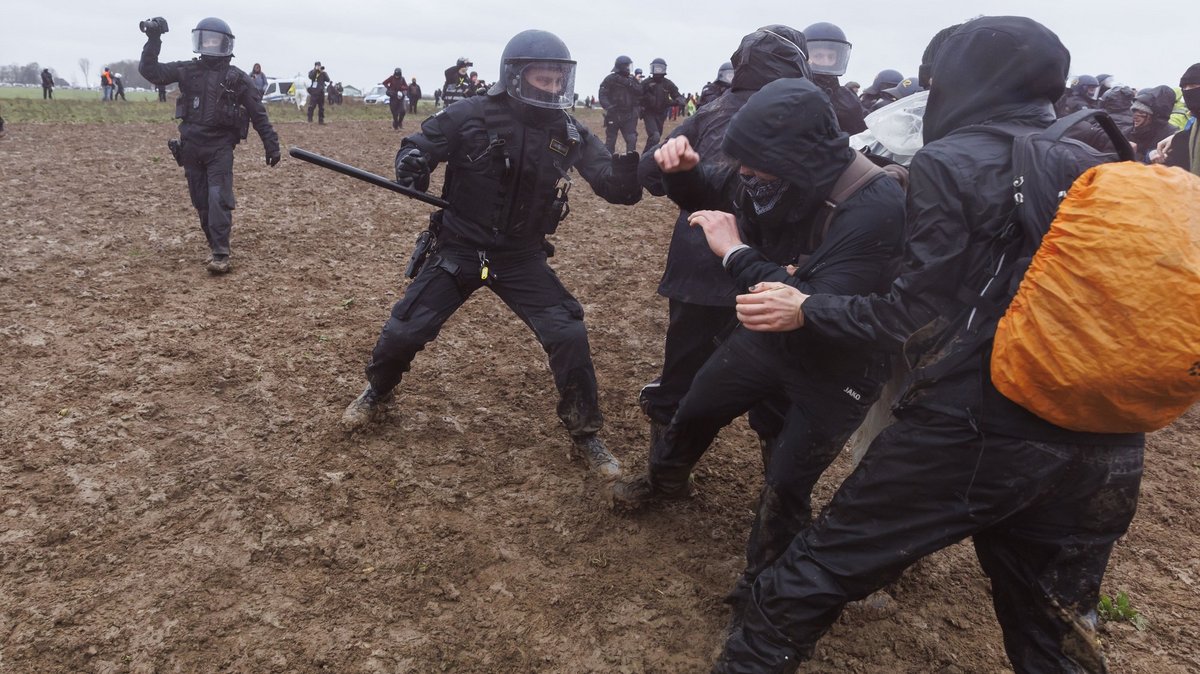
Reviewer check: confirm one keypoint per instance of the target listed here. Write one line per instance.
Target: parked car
(377, 94)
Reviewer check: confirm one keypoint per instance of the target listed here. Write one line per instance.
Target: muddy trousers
(654, 128)
(1044, 518)
(209, 171)
(817, 412)
(693, 331)
(317, 101)
(627, 129)
(398, 111)
(523, 281)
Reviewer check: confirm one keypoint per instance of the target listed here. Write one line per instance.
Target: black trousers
(627, 127)
(692, 334)
(209, 171)
(317, 101)
(530, 288)
(654, 127)
(412, 105)
(1044, 518)
(816, 414)
(47, 92)
(398, 111)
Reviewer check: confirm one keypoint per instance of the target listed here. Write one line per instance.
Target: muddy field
(177, 495)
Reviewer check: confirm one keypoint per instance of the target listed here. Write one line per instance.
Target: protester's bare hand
(771, 307)
(720, 229)
(1164, 149)
(676, 156)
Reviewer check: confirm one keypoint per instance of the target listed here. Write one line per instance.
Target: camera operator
(318, 79)
(217, 103)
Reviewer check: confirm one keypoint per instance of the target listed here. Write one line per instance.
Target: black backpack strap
(1058, 129)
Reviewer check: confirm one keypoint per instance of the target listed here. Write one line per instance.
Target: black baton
(365, 176)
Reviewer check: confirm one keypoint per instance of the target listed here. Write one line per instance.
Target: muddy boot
(638, 490)
(366, 408)
(600, 461)
(218, 264)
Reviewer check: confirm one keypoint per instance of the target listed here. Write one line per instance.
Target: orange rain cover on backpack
(1103, 334)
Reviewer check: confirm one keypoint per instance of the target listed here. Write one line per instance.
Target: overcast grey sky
(361, 41)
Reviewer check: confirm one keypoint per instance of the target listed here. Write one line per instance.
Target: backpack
(1102, 333)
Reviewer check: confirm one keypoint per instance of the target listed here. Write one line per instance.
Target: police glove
(272, 157)
(625, 164)
(412, 169)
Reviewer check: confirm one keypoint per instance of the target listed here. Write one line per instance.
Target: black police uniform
(217, 103)
(318, 79)
(506, 167)
(658, 95)
(620, 96)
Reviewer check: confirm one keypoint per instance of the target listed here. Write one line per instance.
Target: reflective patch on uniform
(559, 147)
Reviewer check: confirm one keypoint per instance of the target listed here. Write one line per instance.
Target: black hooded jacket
(1161, 101)
(693, 274)
(788, 129)
(959, 195)
(846, 105)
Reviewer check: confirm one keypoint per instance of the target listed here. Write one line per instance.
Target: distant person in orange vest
(107, 84)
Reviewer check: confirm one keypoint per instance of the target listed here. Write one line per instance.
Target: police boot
(368, 407)
(218, 264)
(660, 485)
(593, 450)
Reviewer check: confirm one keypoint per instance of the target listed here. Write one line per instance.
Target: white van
(278, 88)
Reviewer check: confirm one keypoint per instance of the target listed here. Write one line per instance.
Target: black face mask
(1191, 98)
(764, 194)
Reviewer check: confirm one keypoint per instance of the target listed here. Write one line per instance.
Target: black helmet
(725, 72)
(658, 67)
(828, 49)
(398, 73)
(463, 62)
(536, 68)
(907, 87)
(1086, 86)
(884, 80)
(621, 65)
(212, 37)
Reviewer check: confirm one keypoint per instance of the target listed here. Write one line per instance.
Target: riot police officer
(658, 95)
(217, 103)
(457, 81)
(620, 96)
(829, 56)
(717, 88)
(508, 157)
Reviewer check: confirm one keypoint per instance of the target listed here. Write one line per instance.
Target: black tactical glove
(412, 169)
(272, 157)
(625, 164)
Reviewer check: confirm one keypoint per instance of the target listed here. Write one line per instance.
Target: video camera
(155, 25)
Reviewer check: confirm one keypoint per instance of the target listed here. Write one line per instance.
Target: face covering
(1191, 98)
(764, 194)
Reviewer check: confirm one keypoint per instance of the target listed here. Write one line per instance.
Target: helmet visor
(828, 57)
(211, 43)
(544, 84)
(658, 69)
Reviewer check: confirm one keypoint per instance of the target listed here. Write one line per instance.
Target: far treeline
(31, 73)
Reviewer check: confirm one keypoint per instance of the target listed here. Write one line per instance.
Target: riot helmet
(884, 80)
(212, 37)
(463, 62)
(1086, 86)
(398, 73)
(658, 67)
(536, 69)
(828, 49)
(622, 64)
(725, 72)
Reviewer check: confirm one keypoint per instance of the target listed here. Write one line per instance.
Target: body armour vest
(514, 182)
(212, 97)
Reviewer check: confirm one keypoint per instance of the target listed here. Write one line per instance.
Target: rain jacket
(859, 252)
(693, 274)
(959, 198)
